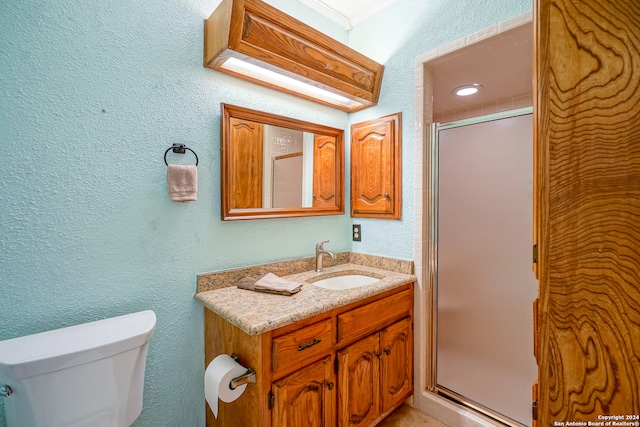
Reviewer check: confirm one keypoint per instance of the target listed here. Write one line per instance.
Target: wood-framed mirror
(278, 167)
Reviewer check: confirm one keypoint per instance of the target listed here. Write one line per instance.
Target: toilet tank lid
(57, 349)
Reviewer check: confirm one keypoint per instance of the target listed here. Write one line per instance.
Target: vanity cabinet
(359, 403)
(307, 397)
(397, 364)
(375, 375)
(349, 366)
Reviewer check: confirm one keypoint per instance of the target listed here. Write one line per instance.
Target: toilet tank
(87, 375)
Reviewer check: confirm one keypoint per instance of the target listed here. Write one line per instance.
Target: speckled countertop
(257, 312)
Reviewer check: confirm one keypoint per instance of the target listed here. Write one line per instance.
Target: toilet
(90, 374)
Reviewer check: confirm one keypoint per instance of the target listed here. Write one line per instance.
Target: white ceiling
(348, 12)
(502, 64)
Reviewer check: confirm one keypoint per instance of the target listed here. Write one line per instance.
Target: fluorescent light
(294, 58)
(467, 90)
(256, 72)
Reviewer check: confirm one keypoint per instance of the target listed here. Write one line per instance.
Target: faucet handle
(319, 246)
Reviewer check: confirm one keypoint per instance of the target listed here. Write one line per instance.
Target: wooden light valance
(254, 41)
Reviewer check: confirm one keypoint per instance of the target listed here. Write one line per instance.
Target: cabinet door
(246, 164)
(359, 383)
(376, 168)
(396, 343)
(306, 397)
(324, 171)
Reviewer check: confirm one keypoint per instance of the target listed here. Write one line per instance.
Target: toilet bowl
(87, 375)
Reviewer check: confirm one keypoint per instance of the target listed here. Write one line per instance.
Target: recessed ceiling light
(467, 90)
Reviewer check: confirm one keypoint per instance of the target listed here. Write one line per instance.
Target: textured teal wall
(92, 93)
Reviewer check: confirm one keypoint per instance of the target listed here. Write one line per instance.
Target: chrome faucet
(320, 252)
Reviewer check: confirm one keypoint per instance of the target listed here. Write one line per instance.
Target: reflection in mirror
(274, 166)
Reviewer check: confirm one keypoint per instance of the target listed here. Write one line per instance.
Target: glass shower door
(485, 284)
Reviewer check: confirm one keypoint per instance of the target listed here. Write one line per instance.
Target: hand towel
(182, 182)
(272, 284)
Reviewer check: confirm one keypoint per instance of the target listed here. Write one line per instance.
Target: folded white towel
(182, 182)
(274, 283)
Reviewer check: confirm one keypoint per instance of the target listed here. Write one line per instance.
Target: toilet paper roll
(217, 377)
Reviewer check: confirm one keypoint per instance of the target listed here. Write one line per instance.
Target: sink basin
(347, 281)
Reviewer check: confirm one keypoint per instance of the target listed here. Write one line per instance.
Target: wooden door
(376, 174)
(306, 397)
(246, 163)
(359, 382)
(588, 190)
(324, 171)
(396, 378)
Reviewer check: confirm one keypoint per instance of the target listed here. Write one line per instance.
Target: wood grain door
(588, 190)
(359, 382)
(396, 379)
(324, 171)
(376, 174)
(246, 163)
(306, 397)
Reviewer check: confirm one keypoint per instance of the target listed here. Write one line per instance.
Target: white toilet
(88, 375)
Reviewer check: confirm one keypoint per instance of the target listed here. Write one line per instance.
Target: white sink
(347, 281)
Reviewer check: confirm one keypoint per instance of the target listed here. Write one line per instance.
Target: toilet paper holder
(248, 377)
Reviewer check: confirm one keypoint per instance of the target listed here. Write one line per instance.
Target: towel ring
(179, 149)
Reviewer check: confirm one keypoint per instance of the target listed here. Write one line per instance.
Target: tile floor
(406, 416)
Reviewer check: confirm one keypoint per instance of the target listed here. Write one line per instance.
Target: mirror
(277, 167)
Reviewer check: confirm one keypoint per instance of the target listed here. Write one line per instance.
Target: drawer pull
(306, 346)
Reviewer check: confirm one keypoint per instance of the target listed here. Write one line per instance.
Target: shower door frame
(431, 223)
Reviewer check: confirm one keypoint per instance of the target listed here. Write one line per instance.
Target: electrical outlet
(357, 232)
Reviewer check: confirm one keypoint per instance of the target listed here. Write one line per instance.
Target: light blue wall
(91, 95)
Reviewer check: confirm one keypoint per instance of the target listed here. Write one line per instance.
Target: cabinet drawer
(298, 346)
(371, 317)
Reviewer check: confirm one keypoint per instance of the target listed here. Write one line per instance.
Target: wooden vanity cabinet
(375, 375)
(359, 402)
(307, 397)
(396, 382)
(350, 366)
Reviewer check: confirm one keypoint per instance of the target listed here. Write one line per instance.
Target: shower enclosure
(484, 284)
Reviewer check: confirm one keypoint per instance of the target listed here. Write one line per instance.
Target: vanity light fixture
(254, 41)
(467, 90)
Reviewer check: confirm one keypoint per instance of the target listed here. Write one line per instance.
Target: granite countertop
(258, 312)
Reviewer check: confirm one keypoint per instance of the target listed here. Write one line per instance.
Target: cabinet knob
(387, 352)
(379, 355)
(330, 386)
(386, 195)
